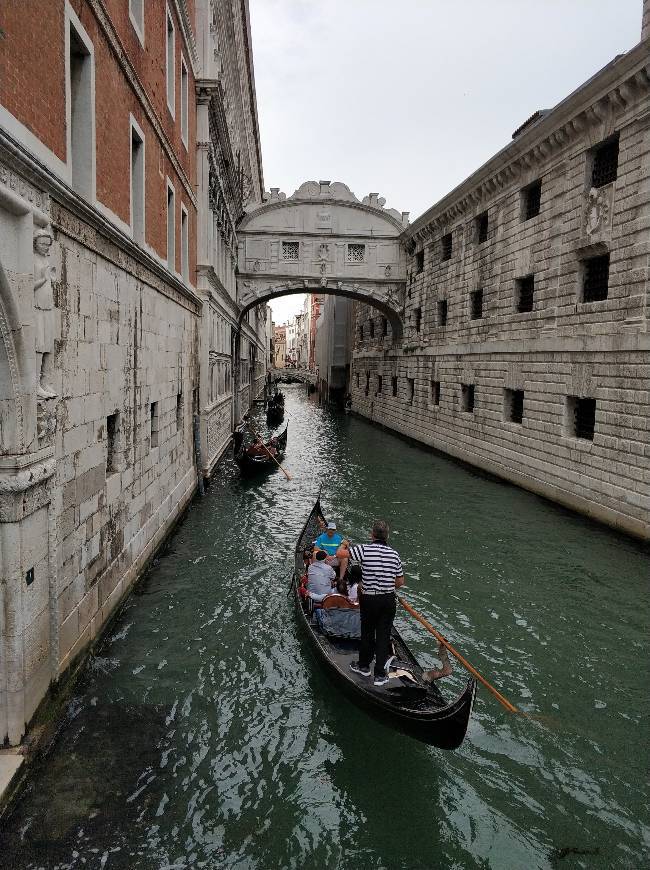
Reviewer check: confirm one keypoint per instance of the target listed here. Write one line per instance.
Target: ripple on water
(204, 735)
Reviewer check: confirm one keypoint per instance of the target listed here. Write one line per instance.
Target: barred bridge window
(467, 397)
(604, 168)
(290, 250)
(419, 262)
(356, 253)
(596, 279)
(442, 312)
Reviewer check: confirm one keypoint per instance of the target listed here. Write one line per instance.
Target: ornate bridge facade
(324, 240)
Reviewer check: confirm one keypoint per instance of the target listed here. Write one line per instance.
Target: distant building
(333, 348)
(279, 347)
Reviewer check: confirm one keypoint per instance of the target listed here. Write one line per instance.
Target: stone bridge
(324, 240)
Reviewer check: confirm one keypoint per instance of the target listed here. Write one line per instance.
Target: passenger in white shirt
(320, 576)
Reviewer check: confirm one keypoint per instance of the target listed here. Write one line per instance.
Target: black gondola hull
(250, 466)
(440, 724)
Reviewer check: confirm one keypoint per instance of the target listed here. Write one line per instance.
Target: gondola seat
(337, 600)
(341, 622)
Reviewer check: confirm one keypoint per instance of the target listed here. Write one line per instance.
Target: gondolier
(381, 574)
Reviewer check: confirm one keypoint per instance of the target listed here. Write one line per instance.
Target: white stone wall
(564, 346)
(127, 342)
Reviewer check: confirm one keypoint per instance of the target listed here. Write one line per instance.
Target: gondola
(275, 409)
(407, 702)
(254, 464)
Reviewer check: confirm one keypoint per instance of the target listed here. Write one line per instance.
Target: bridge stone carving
(323, 239)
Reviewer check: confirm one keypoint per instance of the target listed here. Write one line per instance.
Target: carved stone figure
(597, 210)
(44, 311)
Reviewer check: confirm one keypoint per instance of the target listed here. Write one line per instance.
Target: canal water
(203, 735)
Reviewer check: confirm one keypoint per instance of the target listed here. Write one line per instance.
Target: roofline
(248, 40)
(589, 93)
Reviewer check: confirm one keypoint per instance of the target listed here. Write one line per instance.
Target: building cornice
(183, 15)
(131, 76)
(608, 94)
(246, 22)
(15, 155)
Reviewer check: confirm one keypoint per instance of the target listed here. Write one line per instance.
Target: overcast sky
(408, 97)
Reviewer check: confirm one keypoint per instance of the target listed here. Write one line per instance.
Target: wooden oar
(286, 473)
(510, 707)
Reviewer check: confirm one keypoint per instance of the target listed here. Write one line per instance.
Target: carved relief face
(42, 244)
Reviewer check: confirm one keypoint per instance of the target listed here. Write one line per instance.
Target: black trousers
(377, 613)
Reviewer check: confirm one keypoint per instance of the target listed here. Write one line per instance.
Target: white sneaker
(380, 681)
(356, 667)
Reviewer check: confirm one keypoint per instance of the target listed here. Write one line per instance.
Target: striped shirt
(380, 565)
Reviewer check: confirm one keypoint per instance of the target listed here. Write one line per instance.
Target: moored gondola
(254, 462)
(407, 702)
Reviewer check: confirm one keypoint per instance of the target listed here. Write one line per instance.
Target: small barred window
(604, 168)
(525, 293)
(513, 402)
(467, 397)
(581, 417)
(442, 312)
(476, 306)
(596, 279)
(532, 200)
(482, 227)
(419, 262)
(446, 243)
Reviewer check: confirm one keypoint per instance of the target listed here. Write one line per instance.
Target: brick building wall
(472, 256)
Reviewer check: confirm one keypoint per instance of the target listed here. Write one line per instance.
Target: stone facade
(112, 342)
(526, 345)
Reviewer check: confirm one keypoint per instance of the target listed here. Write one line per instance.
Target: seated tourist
(354, 578)
(320, 576)
(335, 547)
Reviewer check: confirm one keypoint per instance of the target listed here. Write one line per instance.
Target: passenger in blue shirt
(330, 541)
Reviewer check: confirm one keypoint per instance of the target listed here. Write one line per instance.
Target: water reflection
(204, 735)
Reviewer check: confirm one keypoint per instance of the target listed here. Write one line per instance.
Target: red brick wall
(35, 94)
(34, 91)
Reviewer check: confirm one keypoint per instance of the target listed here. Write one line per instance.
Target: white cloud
(408, 98)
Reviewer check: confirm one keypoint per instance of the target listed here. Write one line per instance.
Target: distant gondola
(275, 409)
(407, 702)
(254, 463)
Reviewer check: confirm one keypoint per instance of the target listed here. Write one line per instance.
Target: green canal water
(203, 735)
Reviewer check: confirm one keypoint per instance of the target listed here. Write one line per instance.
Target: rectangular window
(290, 250)
(356, 253)
(361, 332)
(367, 390)
(393, 385)
(153, 419)
(179, 411)
(384, 327)
(482, 227)
(410, 390)
(476, 304)
(446, 245)
(604, 167)
(185, 244)
(595, 283)
(171, 228)
(81, 155)
(185, 102)
(171, 64)
(525, 293)
(581, 417)
(357, 375)
(419, 262)
(380, 381)
(442, 312)
(467, 397)
(531, 200)
(371, 327)
(435, 392)
(417, 319)
(137, 185)
(136, 14)
(513, 405)
(112, 442)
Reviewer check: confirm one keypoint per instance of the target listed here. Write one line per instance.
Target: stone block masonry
(526, 348)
